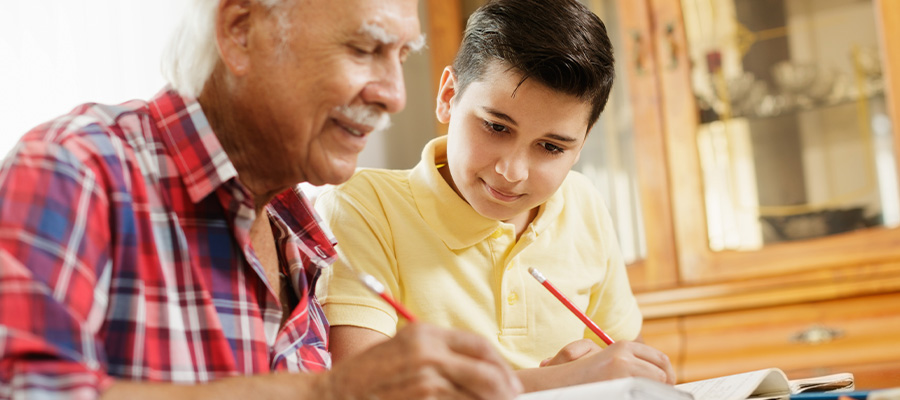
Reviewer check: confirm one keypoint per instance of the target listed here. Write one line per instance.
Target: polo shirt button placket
(497, 233)
(512, 298)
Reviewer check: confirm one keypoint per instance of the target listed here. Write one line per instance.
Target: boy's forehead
(502, 92)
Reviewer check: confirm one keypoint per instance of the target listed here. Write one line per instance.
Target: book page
(771, 383)
(618, 389)
(827, 383)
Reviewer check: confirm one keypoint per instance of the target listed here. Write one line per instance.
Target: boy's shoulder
(577, 184)
(374, 178)
(579, 192)
(372, 183)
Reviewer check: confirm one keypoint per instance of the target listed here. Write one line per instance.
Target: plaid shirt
(125, 254)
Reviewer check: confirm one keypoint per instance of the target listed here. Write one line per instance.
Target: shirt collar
(298, 222)
(191, 143)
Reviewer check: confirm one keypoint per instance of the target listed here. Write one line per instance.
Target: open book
(617, 389)
(766, 384)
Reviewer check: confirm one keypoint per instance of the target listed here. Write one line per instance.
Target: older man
(159, 248)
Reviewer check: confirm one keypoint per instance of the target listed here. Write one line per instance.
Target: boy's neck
(520, 222)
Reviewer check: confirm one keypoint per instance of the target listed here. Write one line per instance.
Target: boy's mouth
(501, 195)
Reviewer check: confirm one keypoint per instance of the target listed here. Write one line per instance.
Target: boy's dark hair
(560, 43)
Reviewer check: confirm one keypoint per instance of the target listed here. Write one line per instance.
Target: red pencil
(587, 321)
(378, 288)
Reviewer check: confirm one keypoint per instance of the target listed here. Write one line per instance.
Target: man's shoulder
(91, 130)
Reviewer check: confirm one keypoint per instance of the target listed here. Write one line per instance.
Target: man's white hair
(191, 55)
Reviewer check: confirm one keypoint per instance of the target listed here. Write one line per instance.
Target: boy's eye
(552, 148)
(495, 127)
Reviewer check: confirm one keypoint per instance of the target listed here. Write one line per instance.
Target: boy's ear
(445, 94)
(232, 34)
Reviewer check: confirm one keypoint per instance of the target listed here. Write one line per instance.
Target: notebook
(617, 389)
(765, 384)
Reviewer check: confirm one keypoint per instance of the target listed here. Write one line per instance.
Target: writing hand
(426, 362)
(624, 359)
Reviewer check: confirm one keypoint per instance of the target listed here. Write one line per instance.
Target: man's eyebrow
(379, 34)
(555, 136)
(416, 44)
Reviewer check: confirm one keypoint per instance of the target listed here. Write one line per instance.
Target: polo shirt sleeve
(54, 242)
(365, 244)
(612, 303)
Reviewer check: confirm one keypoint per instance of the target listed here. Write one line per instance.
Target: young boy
(454, 237)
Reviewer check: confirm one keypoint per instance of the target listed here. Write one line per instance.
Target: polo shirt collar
(448, 215)
(193, 146)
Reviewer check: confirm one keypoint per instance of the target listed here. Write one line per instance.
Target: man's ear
(445, 94)
(232, 34)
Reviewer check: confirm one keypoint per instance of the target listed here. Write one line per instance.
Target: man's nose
(387, 90)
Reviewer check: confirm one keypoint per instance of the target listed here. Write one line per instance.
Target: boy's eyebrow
(561, 138)
(507, 118)
(500, 115)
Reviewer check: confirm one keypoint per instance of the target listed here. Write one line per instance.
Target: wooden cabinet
(766, 135)
(735, 308)
(814, 338)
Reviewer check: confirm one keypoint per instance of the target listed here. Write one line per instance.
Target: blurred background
(57, 54)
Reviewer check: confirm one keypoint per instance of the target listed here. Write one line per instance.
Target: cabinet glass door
(794, 137)
(608, 156)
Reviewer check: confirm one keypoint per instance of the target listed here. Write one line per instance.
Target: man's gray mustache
(367, 115)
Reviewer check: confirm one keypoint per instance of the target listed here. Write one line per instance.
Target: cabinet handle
(817, 334)
(638, 49)
(672, 44)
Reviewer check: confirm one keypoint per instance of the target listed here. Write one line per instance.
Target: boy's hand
(623, 359)
(583, 361)
(572, 352)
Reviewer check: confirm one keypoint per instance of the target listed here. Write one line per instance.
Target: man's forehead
(377, 32)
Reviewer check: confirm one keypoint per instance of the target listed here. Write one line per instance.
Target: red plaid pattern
(125, 254)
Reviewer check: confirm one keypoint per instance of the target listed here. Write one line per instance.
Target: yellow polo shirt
(455, 268)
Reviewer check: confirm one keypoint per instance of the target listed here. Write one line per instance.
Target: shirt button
(497, 233)
(512, 298)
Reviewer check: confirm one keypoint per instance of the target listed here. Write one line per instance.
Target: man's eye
(496, 127)
(363, 50)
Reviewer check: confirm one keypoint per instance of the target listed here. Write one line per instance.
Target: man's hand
(425, 362)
